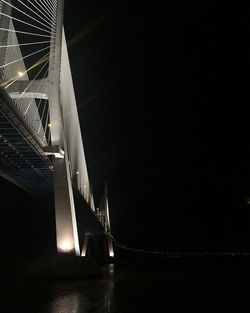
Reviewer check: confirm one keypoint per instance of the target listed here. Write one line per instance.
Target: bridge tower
(66, 225)
(104, 211)
(64, 146)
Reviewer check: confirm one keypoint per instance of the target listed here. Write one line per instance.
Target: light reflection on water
(83, 297)
(68, 303)
(115, 293)
(94, 297)
(124, 289)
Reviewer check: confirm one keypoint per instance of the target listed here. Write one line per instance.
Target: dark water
(125, 289)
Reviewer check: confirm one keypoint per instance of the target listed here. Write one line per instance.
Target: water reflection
(122, 290)
(92, 296)
(108, 296)
(119, 291)
(88, 300)
(111, 268)
(67, 303)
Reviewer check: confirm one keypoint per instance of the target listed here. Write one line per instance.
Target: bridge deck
(20, 161)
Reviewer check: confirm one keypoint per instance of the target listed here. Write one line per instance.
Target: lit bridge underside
(21, 159)
(41, 147)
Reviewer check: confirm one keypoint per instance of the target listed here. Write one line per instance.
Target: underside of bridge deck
(21, 159)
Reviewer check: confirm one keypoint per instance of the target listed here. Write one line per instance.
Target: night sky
(163, 96)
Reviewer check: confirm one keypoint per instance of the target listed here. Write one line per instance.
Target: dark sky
(112, 69)
(163, 104)
(163, 96)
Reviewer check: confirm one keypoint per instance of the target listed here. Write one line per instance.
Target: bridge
(41, 147)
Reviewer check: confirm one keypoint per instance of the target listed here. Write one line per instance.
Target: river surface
(144, 289)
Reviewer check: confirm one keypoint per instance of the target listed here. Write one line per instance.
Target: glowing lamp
(20, 74)
(66, 246)
(111, 253)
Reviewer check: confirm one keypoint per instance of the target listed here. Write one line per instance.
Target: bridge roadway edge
(14, 118)
(12, 114)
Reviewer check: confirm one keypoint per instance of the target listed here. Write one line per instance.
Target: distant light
(247, 200)
(20, 74)
(49, 125)
(77, 173)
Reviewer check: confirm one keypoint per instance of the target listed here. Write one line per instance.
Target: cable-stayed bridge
(41, 148)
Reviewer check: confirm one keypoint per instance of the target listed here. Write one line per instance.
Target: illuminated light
(20, 74)
(77, 173)
(66, 302)
(49, 125)
(85, 245)
(111, 268)
(110, 247)
(66, 246)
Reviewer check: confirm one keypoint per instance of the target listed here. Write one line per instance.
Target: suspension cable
(176, 254)
(26, 44)
(26, 56)
(50, 24)
(48, 19)
(122, 246)
(25, 33)
(41, 119)
(53, 5)
(33, 80)
(24, 22)
(14, 79)
(37, 89)
(51, 16)
(46, 124)
(40, 100)
(53, 9)
(31, 17)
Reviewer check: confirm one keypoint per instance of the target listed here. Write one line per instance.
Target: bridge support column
(110, 246)
(85, 244)
(66, 227)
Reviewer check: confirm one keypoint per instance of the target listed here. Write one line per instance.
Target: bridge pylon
(104, 208)
(66, 224)
(35, 73)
